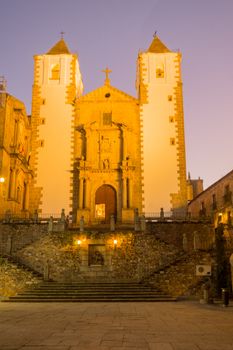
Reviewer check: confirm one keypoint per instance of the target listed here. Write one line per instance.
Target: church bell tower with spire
(57, 84)
(159, 86)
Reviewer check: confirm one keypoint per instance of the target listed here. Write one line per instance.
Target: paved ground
(151, 326)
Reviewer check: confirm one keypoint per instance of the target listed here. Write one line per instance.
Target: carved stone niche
(96, 254)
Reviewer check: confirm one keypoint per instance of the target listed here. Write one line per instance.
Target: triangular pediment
(107, 93)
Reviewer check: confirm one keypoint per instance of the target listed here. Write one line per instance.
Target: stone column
(87, 194)
(13, 181)
(124, 192)
(80, 143)
(81, 224)
(26, 197)
(81, 193)
(9, 245)
(136, 220)
(143, 223)
(185, 242)
(130, 192)
(231, 263)
(50, 226)
(195, 241)
(161, 214)
(63, 215)
(112, 223)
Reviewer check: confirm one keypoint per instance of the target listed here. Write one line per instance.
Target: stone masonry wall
(16, 236)
(123, 255)
(180, 279)
(174, 232)
(132, 257)
(14, 279)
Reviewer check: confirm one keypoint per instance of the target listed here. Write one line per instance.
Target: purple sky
(110, 32)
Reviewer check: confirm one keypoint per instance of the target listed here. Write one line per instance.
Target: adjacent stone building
(215, 201)
(15, 154)
(194, 187)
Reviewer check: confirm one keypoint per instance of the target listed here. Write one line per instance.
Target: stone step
(86, 300)
(93, 288)
(52, 292)
(95, 292)
(92, 284)
(151, 295)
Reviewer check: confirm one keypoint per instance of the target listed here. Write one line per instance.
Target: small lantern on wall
(115, 243)
(77, 242)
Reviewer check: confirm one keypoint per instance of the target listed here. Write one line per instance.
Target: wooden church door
(105, 203)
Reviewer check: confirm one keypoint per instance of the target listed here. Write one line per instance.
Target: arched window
(55, 72)
(160, 71)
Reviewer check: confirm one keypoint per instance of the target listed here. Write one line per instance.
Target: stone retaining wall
(72, 256)
(14, 237)
(180, 279)
(200, 234)
(14, 279)
(66, 256)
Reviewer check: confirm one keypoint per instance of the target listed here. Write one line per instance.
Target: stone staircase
(91, 292)
(15, 260)
(179, 278)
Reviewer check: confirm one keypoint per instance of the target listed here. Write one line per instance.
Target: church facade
(105, 153)
(107, 156)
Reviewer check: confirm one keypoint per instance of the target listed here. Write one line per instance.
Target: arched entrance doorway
(105, 203)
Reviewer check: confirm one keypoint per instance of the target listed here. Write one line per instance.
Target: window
(202, 210)
(55, 72)
(227, 198)
(172, 141)
(169, 97)
(214, 202)
(160, 71)
(107, 118)
(171, 119)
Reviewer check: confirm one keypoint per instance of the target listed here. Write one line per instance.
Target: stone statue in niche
(95, 255)
(106, 164)
(96, 258)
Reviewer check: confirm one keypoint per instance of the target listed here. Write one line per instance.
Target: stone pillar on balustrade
(84, 194)
(127, 202)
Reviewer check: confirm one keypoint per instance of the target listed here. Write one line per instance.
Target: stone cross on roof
(107, 72)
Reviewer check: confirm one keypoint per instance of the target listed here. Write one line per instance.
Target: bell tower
(57, 84)
(159, 86)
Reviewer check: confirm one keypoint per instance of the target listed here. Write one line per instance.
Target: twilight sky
(110, 32)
